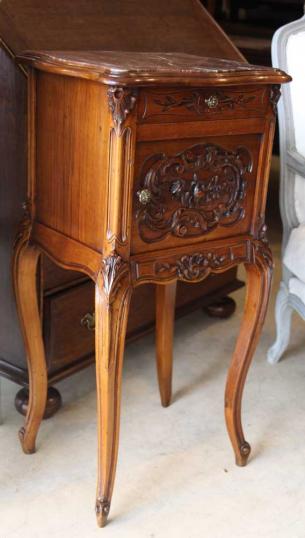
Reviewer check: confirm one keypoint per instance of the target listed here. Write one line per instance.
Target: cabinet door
(193, 189)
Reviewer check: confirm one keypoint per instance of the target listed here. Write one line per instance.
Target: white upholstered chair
(288, 53)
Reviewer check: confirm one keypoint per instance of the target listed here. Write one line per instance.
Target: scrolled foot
(102, 509)
(27, 447)
(244, 453)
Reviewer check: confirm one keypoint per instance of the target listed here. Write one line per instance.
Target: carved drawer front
(193, 190)
(172, 104)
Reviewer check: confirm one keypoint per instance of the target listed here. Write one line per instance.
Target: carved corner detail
(121, 101)
(25, 225)
(262, 248)
(275, 94)
(113, 269)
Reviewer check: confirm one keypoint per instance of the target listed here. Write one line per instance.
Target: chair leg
(257, 295)
(165, 319)
(283, 312)
(1, 415)
(112, 301)
(27, 302)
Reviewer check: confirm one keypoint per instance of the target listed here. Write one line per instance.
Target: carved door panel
(193, 189)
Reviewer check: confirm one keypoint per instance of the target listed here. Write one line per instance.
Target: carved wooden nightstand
(145, 168)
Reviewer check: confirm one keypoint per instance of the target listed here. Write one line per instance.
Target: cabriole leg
(26, 264)
(112, 299)
(257, 295)
(283, 312)
(165, 319)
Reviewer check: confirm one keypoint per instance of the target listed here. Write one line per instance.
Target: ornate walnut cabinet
(67, 298)
(144, 168)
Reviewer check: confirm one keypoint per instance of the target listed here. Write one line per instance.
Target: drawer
(173, 105)
(193, 190)
(66, 339)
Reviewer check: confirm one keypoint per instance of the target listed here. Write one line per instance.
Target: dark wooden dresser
(67, 298)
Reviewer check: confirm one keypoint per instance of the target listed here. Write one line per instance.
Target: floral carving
(193, 192)
(192, 267)
(121, 102)
(275, 94)
(199, 103)
(113, 268)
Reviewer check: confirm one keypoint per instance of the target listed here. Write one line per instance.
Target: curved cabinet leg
(283, 312)
(112, 299)
(25, 268)
(257, 296)
(165, 319)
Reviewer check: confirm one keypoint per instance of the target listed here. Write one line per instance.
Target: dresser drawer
(173, 105)
(193, 189)
(66, 339)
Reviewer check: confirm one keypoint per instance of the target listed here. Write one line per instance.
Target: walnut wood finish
(87, 147)
(165, 317)
(66, 296)
(26, 263)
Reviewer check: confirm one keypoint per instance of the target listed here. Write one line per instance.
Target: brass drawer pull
(144, 196)
(212, 101)
(88, 321)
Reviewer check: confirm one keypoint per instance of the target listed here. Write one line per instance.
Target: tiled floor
(176, 475)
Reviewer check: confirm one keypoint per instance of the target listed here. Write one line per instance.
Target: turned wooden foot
(25, 273)
(54, 402)
(165, 320)
(222, 308)
(112, 299)
(257, 295)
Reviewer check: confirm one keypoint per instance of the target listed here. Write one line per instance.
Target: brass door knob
(144, 196)
(212, 101)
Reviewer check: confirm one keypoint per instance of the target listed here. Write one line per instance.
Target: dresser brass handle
(212, 101)
(144, 196)
(88, 321)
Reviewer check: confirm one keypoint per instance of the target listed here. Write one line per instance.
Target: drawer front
(172, 104)
(66, 339)
(193, 190)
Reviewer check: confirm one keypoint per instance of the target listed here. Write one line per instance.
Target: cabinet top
(144, 68)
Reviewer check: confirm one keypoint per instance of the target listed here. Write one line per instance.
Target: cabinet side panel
(72, 125)
(12, 194)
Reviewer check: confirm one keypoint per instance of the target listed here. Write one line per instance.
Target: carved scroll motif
(192, 267)
(193, 192)
(198, 265)
(199, 103)
(121, 102)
